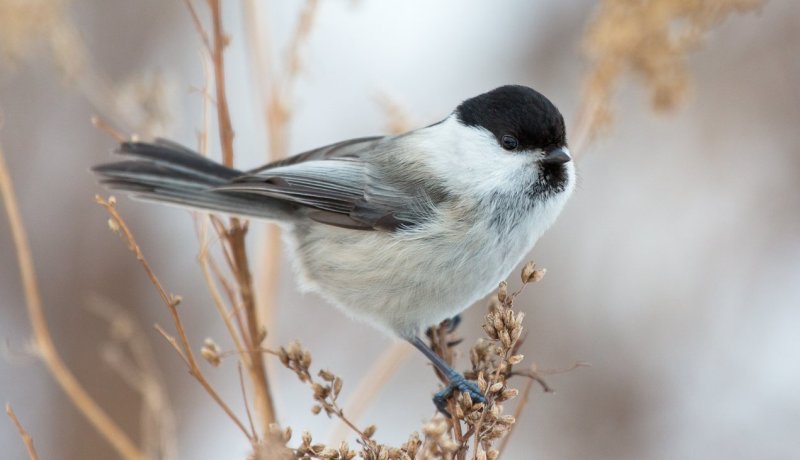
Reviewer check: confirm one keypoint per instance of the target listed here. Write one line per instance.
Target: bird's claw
(460, 383)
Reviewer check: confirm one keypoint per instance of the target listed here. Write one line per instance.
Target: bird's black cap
(518, 111)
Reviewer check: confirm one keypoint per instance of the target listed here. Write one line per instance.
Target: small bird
(401, 231)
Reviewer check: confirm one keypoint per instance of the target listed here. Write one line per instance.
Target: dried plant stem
(255, 334)
(220, 42)
(235, 234)
(104, 126)
(219, 304)
(244, 399)
(184, 347)
(47, 350)
(26, 438)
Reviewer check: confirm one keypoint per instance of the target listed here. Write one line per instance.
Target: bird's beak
(556, 156)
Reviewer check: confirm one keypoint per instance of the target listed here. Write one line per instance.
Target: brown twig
(244, 399)
(171, 301)
(104, 126)
(23, 433)
(220, 42)
(198, 24)
(235, 234)
(44, 343)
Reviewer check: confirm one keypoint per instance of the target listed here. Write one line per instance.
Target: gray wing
(346, 185)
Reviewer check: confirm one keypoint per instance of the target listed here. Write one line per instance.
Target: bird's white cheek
(474, 162)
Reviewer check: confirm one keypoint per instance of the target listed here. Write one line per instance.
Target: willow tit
(401, 231)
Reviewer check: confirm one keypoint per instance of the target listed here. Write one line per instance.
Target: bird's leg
(455, 380)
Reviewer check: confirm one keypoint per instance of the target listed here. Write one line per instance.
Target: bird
(401, 231)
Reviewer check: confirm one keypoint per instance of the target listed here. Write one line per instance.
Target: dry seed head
(507, 419)
(369, 431)
(508, 318)
(505, 339)
(497, 323)
(326, 375)
(516, 333)
(527, 272)
(496, 387)
(516, 359)
(509, 393)
(493, 454)
(502, 291)
(283, 356)
(435, 428)
(481, 382)
(113, 225)
(211, 352)
(316, 409)
(337, 386)
(320, 391)
(490, 330)
(329, 453)
(412, 445)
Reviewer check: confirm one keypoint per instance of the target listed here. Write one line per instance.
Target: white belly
(405, 282)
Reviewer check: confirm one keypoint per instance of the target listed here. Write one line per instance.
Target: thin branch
(204, 259)
(26, 438)
(198, 24)
(171, 301)
(106, 426)
(237, 230)
(244, 398)
(172, 341)
(218, 58)
(105, 127)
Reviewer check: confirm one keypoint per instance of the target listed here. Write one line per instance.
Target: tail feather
(167, 172)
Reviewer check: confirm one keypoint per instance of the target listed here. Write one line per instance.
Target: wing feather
(341, 185)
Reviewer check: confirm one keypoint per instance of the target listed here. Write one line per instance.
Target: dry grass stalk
(651, 39)
(46, 349)
(233, 236)
(182, 345)
(23, 433)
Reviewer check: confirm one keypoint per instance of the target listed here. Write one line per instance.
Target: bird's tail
(167, 172)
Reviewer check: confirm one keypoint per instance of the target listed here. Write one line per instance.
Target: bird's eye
(509, 142)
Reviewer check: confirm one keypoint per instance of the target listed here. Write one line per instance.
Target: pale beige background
(675, 269)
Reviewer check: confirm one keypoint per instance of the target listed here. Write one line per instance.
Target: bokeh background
(674, 270)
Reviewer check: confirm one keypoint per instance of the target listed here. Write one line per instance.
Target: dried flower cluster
(651, 39)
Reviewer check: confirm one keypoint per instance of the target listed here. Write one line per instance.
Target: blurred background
(674, 270)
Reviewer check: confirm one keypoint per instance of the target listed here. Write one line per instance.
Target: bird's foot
(460, 383)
